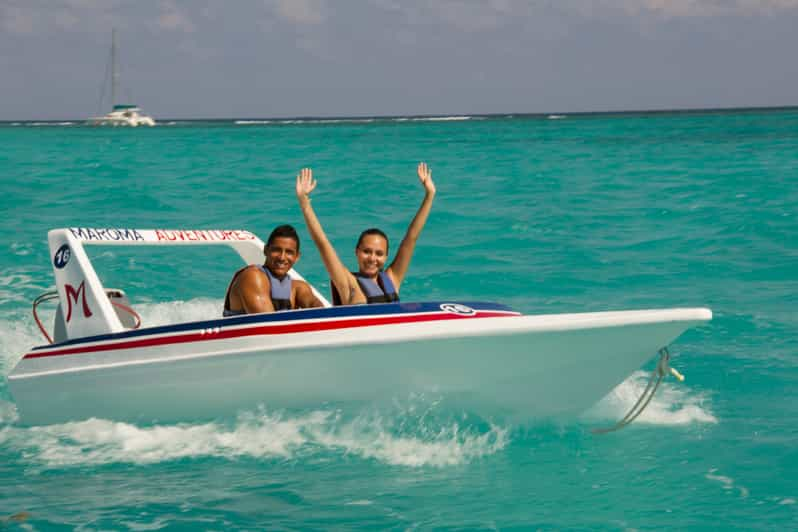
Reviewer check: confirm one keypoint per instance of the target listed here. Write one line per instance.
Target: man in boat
(372, 282)
(269, 288)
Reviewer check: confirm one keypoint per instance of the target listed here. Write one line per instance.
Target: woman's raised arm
(401, 261)
(339, 275)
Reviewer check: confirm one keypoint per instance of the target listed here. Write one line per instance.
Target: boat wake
(46, 124)
(411, 433)
(394, 440)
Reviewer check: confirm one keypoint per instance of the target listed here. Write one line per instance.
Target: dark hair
(372, 231)
(282, 231)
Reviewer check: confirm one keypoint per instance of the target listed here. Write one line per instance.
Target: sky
(289, 58)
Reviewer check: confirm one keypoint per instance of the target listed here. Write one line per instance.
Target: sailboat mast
(114, 73)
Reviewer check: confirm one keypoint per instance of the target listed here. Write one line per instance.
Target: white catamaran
(121, 114)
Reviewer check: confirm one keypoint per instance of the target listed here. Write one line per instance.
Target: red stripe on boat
(280, 328)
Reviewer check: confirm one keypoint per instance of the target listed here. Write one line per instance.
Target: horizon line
(684, 110)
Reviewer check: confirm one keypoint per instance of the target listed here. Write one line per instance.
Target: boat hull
(491, 361)
(121, 122)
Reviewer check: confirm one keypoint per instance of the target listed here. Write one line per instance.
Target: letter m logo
(72, 295)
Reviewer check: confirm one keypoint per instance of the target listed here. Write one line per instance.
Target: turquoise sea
(548, 214)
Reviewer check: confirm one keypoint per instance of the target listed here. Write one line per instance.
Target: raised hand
(339, 274)
(401, 261)
(305, 183)
(425, 176)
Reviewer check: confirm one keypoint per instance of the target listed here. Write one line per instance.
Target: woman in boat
(372, 283)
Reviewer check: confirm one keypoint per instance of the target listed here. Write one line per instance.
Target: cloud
(466, 16)
(476, 16)
(66, 20)
(687, 8)
(491, 14)
(300, 12)
(15, 19)
(37, 17)
(172, 18)
(768, 4)
(41, 18)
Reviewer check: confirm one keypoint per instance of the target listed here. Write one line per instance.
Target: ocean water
(566, 213)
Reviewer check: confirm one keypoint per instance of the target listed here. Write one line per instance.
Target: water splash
(155, 314)
(19, 334)
(672, 404)
(406, 440)
(260, 434)
(99, 441)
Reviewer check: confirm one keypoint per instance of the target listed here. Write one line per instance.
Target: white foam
(21, 249)
(440, 118)
(258, 434)
(8, 413)
(307, 121)
(555, 117)
(99, 441)
(157, 524)
(154, 314)
(443, 445)
(726, 482)
(19, 334)
(673, 404)
(341, 121)
(361, 502)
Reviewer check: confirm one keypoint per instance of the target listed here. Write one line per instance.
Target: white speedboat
(103, 362)
(121, 114)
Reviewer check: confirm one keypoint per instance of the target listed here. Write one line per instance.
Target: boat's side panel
(516, 369)
(324, 327)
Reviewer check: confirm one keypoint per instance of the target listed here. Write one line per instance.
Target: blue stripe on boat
(381, 309)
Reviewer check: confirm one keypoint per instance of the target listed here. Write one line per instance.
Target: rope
(47, 296)
(659, 373)
(129, 311)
